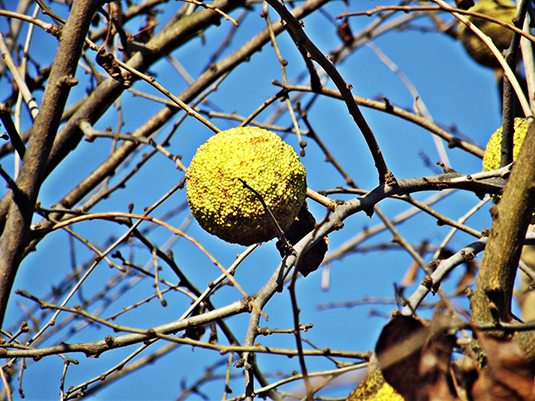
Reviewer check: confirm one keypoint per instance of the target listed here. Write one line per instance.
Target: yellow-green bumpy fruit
(220, 202)
(503, 10)
(374, 388)
(493, 152)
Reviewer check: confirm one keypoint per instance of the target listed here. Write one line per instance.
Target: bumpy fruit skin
(493, 152)
(503, 10)
(220, 202)
(374, 388)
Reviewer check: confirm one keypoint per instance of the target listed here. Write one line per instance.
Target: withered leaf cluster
(417, 359)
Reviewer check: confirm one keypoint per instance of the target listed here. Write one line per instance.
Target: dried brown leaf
(196, 332)
(108, 62)
(344, 32)
(415, 359)
(464, 374)
(146, 33)
(505, 374)
(303, 224)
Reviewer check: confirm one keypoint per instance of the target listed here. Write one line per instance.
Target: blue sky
(456, 91)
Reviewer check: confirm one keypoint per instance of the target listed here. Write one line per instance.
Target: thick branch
(511, 217)
(18, 208)
(336, 222)
(509, 96)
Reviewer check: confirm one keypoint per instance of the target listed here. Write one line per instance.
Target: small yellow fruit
(503, 10)
(220, 202)
(374, 388)
(493, 152)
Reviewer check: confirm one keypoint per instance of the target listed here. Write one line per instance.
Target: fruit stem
(280, 233)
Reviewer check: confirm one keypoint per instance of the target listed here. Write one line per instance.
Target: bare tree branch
(16, 209)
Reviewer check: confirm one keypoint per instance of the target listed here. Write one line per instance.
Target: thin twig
(280, 231)
(91, 133)
(297, 333)
(175, 99)
(8, 390)
(298, 34)
(453, 141)
(443, 269)
(115, 215)
(210, 7)
(23, 88)
(490, 44)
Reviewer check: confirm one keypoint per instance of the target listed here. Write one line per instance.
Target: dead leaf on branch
(303, 224)
(505, 373)
(197, 332)
(146, 33)
(415, 357)
(108, 62)
(464, 374)
(344, 32)
(415, 360)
